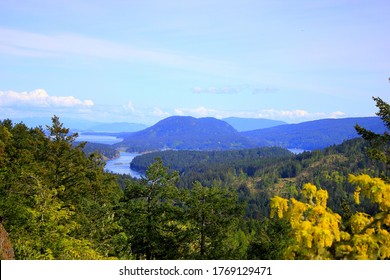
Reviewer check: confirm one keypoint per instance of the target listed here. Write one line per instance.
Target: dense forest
(107, 151)
(185, 161)
(258, 174)
(57, 202)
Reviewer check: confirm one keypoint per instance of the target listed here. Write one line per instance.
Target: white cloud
(41, 99)
(129, 107)
(198, 112)
(40, 103)
(296, 115)
(336, 115)
(157, 112)
(285, 115)
(293, 114)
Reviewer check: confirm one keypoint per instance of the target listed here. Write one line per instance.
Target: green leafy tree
(151, 214)
(379, 143)
(213, 214)
(270, 239)
(55, 202)
(92, 193)
(48, 232)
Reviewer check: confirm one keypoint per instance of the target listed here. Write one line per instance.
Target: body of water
(121, 165)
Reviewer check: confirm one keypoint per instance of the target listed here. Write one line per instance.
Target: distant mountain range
(245, 124)
(313, 134)
(188, 133)
(83, 125)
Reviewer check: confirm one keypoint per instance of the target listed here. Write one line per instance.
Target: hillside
(246, 124)
(314, 134)
(186, 133)
(183, 161)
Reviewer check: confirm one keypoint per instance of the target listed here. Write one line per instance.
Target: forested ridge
(184, 161)
(57, 202)
(312, 135)
(211, 134)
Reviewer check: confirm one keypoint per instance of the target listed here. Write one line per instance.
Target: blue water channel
(121, 165)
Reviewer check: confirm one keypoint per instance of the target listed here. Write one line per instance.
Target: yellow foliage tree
(314, 227)
(370, 237)
(317, 230)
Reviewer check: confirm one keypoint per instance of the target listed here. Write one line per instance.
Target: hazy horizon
(140, 62)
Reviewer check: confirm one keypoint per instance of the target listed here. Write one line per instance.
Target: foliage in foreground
(319, 233)
(58, 203)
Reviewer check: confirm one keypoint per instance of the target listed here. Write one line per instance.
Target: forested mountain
(246, 124)
(314, 134)
(186, 133)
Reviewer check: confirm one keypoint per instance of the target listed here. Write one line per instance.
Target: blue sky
(141, 61)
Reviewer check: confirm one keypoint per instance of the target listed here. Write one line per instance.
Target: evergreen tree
(379, 143)
(151, 214)
(55, 202)
(213, 214)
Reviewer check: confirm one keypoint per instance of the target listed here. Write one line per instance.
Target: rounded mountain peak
(185, 132)
(187, 123)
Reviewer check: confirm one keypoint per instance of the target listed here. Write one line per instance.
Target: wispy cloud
(30, 44)
(18, 42)
(198, 112)
(40, 103)
(216, 90)
(41, 99)
(157, 112)
(234, 89)
(129, 107)
(265, 90)
(285, 115)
